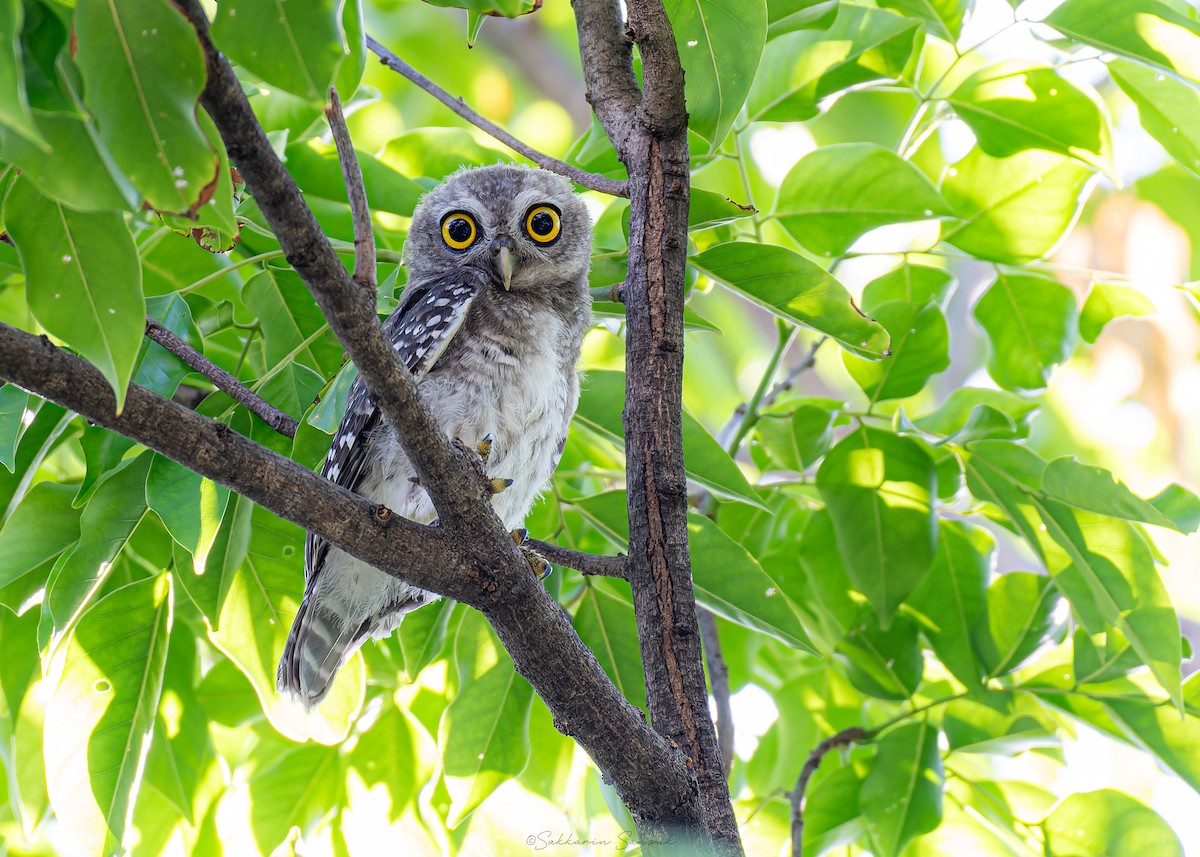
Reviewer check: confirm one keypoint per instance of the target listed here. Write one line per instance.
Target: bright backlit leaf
(1142, 29)
(1020, 613)
(1107, 301)
(1107, 822)
(878, 488)
(800, 68)
(102, 710)
(837, 193)
(785, 283)
(920, 349)
(917, 284)
(1168, 108)
(1030, 322)
(943, 18)
(1014, 209)
(901, 797)
(1016, 105)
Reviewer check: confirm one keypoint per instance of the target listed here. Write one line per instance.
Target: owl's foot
(484, 448)
(536, 561)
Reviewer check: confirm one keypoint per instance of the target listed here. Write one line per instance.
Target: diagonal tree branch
(845, 738)
(222, 380)
(586, 563)
(554, 165)
(718, 677)
(356, 192)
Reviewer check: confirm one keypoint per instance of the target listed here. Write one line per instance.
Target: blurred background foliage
(1017, 204)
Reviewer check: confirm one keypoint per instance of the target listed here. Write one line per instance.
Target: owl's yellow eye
(543, 224)
(459, 230)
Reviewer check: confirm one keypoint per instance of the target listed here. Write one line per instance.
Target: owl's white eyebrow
(525, 199)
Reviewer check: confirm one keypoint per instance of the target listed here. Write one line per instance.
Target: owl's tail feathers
(321, 640)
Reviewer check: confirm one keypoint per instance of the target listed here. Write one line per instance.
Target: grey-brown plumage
(490, 324)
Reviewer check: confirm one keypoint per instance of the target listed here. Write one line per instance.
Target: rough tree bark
(670, 776)
(649, 129)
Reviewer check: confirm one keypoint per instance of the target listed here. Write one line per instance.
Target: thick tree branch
(585, 563)
(649, 131)
(554, 165)
(222, 380)
(845, 738)
(356, 192)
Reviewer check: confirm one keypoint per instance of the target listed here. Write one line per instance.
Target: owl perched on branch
(490, 324)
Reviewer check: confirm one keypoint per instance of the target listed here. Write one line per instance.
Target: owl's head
(524, 227)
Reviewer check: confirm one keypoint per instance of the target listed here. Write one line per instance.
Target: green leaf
(13, 403)
(296, 46)
(292, 389)
(1107, 822)
(831, 814)
(731, 583)
(902, 795)
(40, 529)
(883, 664)
(1141, 29)
(798, 441)
(1168, 108)
(1031, 324)
(289, 317)
(837, 193)
(1015, 105)
(952, 598)
(1014, 209)
(158, 369)
(397, 753)
(705, 462)
(959, 410)
(878, 488)
(14, 103)
(214, 227)
(423, 636)
(437, 152)
(707, 210)
(105, 526)
(504, 8)
(794, 289)
(943, 18)
(1097, 490)
(784, 16)
(143, 71)
(248, 594)
(102, 711)
(83, 280)
(720, 42)
(920, 349)
(916, 284)
(606, 624)
(315, 167)
(190, 506)
(293, 789)
(1108, 656)
(484, 731)
(1180, 505)
(1021, 612)
(1105, 302)
(800, 68)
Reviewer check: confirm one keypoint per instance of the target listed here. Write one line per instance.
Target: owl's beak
(503, 260)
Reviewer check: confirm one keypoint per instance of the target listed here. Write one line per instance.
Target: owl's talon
(499, 486)
(484, 448)
(519, 535)
(416, 480)
(541, 568)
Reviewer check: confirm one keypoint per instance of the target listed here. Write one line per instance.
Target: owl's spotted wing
(420, 330)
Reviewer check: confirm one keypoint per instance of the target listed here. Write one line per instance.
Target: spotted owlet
(490, 324)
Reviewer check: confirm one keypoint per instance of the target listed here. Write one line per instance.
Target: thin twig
(587, 563)
(718, 677)
(789, 380)
(364, 236)
(236, 390)
(592, 181)
(845, 738)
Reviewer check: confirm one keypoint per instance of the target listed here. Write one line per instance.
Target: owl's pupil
(459, 230)
(542, 223)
